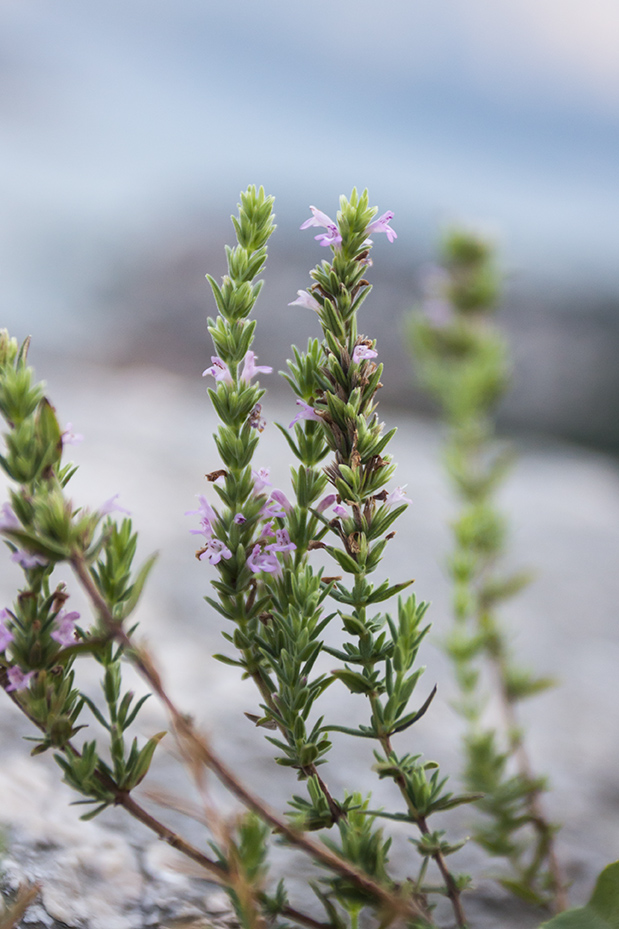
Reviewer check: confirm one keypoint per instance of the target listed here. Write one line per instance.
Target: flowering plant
(275, 597)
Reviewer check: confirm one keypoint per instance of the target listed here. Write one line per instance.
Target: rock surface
(148, 437)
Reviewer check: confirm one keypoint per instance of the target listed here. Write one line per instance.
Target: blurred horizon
(128, 129)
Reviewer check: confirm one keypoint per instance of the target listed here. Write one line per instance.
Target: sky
(119, 117)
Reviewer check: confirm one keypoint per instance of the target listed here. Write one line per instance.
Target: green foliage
(602, 910)
(463, 362)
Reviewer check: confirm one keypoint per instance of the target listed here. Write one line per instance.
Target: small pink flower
(282, 543)
(261, 479)
(110, 506)
(382, 225)
(340, 510)
(69, 437)
(331, 236)
(239, 519)
(306, 412)
(64, 633)
(207, 518)
(305, 299)
(19, 679)
(361, 352)
(326, 502)
(8, 519)
(272, 510)
(250, 368)
(263, 561)
(214, 551)
(268, 530)
(218, 370)
(397, 496)
(28, 560)
(280, 497)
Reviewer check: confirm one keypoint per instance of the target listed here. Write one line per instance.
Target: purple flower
(28, 559)
(267, 530)
(283, 543)
(340, 510)
(331, 236)
(307, 300)
(214, 551)
(205, 510)
(263, 561)
(64, 633)
(397, 496)
(382, 225)
(239, 519)
(306, 412)
(280, 497)
(110, 506)
(261, 479)
(218, 370)
(71, 438)
(250, 368)
(362, 352)
(6, 636)
(19, 680)
(272, 510)
(8, 519)
(207, 517)
(326, 502)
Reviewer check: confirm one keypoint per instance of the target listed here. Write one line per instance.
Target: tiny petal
(261, 479)
(306, 412)
(214, 551)
(19, 679)
(69, 437)
(282, 543)
(64, 633)
(361, 352)
(110, 506)
(330, 237)
(273, 510)
(318, 218)
(239, 519)
(306, 299)
(280, 497)
(340, 510)
(326, 502)
(8, 519)
(263, 561)
(218, 370)
(250, 368)
(397, 496)
(28, 560)
(382, 225)
(267, 531)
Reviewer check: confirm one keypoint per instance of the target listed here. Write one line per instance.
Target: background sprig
(462, 359)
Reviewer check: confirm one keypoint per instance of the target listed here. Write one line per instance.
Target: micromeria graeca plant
(463, 361)
(269, 590)
(262, 545)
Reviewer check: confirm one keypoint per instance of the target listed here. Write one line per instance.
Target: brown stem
(171, 838)
(196, 749)
(453, 891)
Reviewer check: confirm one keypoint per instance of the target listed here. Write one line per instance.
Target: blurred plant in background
(463, 361)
